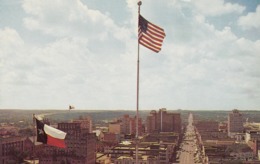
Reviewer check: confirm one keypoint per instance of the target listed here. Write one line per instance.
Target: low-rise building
(102, 159)
(207, 126)
(115, 127)
(14, 149)
(147, 153)
(252, 135)
(241, 152)
(152, 148)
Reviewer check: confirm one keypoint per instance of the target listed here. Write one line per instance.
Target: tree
(18, 156)
(26, 132)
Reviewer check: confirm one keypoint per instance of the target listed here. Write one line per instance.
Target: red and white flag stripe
(55, 137)
(49, 135)
(150, 35)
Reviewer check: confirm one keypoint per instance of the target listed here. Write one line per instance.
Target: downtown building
(162, 121)
(207, 126)
(155, 146)
(85, 123)
(235, 123)
(80, 146)
(126, 125)
(152, 149)
(16, 149)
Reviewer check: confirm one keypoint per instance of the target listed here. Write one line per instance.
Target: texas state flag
(49, 135)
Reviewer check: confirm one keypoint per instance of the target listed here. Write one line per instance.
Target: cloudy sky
(54, 53)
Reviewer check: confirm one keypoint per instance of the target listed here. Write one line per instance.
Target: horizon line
(98, 109)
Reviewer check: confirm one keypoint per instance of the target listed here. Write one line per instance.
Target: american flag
(150, 35)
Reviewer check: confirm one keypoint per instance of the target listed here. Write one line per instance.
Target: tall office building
(125, 122)
(126, 125)
(162, 121)
(235, 122)
(133, 126)
(85, 123)
(80, 146)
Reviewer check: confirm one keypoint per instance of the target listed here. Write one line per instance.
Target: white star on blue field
(84, 53)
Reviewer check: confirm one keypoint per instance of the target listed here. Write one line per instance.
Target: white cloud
(89, 59)
(10, 45)
(9, 41)
(250, 20)
(214, 60)
(69, 18)
(216, 7)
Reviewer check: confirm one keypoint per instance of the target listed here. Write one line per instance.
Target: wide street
(188, 147)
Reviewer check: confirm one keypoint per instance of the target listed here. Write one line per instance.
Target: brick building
(115, 127)
(85, 123)
(207, 126)
(235, 123)
(163, 122)
(14, 149)
(80, 146)
(125, 125)
(153, 149)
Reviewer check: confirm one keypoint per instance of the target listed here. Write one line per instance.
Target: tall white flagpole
(137, 90)
(35, 129)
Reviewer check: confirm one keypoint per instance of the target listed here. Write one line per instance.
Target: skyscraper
(80, 146)
(235, 122)
(85, 123)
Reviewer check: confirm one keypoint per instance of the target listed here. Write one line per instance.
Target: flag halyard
(150, 35)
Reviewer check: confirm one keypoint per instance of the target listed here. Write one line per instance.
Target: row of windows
(129, 162)
(68, 126)
(47, 161)
(9, 146)
(12, 144)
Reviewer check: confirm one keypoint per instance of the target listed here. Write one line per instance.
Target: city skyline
(83, 53)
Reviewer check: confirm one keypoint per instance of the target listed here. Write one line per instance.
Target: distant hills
(17, 115)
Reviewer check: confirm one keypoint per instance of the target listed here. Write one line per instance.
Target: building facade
(126, 125)
(80, 146)
(162, 121)
(207, 126)
(14, 149)
(148, 153)
(115, 127)
(235, 123)
(85, 123)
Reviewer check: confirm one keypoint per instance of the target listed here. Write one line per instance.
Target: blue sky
(83, 53)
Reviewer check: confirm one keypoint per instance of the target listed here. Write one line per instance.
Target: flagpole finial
(139, 3)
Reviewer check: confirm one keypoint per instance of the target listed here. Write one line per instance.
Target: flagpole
(137, 90)
(34, 127)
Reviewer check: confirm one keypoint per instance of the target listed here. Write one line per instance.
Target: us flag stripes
(150, 35)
